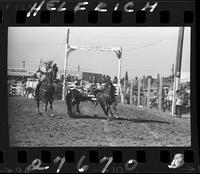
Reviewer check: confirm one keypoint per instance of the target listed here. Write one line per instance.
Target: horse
(28, 91)
(74, 97)
(106, 98)
(46, 92)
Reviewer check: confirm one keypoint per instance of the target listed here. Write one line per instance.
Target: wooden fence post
(124, 93)
(124, 86)
(131, 93)
(138, 97)
(148, 92)
(158, 80)
(143, 82)
(160, 94)
(121, 94)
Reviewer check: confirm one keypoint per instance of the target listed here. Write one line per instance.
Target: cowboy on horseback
(45, 89)
(106, 98)
(43, 73)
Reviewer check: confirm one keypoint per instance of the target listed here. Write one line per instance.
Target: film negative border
(143, 13)
(93, 159)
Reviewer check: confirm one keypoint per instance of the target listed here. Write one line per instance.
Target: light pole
(65, 66)
(177, 73)
(119, 56)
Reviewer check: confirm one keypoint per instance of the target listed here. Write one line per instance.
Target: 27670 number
(129, 166)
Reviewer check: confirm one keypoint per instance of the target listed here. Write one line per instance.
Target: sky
(145, 50)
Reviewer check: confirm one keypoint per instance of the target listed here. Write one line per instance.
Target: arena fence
(15, 89)
(135, 93)
(153, 95)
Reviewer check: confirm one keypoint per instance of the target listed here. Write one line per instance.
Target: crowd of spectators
(182, 98)
(92, 79)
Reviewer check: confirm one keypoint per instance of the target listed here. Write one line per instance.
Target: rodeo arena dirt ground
(133, 127)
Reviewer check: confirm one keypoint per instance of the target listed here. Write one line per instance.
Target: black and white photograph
(99, 86)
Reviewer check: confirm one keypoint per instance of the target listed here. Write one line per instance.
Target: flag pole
(177, 73)
(65, 66)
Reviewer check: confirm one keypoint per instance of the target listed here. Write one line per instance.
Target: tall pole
(124, 90)
(160, 94)
(148, 92)
(143, 82)
(172, 75)
(119, 69)
(177, 73)
(119, 75)
(65, 66)
(139, 88)
(131, 93)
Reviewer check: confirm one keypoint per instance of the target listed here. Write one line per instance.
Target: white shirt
(41, 75)
(179, 100)
(170, 95)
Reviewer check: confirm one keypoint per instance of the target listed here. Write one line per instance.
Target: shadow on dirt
(77, 116)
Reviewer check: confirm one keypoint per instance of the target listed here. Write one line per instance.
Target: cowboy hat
(48, 61)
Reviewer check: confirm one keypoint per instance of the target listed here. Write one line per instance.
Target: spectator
(179, 103)
(94, 79)
(55, 67)
(164, 99)
(108, 77)
(181, 87)
(68, 78)
(170, 99)
(154, 99)
(90, 79)
(187, 89)
(103, 79)
(115, 80)
(134, 99)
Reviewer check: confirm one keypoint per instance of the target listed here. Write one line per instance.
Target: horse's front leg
(111, 113)
(107, 111)
(69, 108)
(51, 107)
(33, 94)
(104, 109)
(115, 110)
(38, 107)
(46, 104)
(78, 108)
